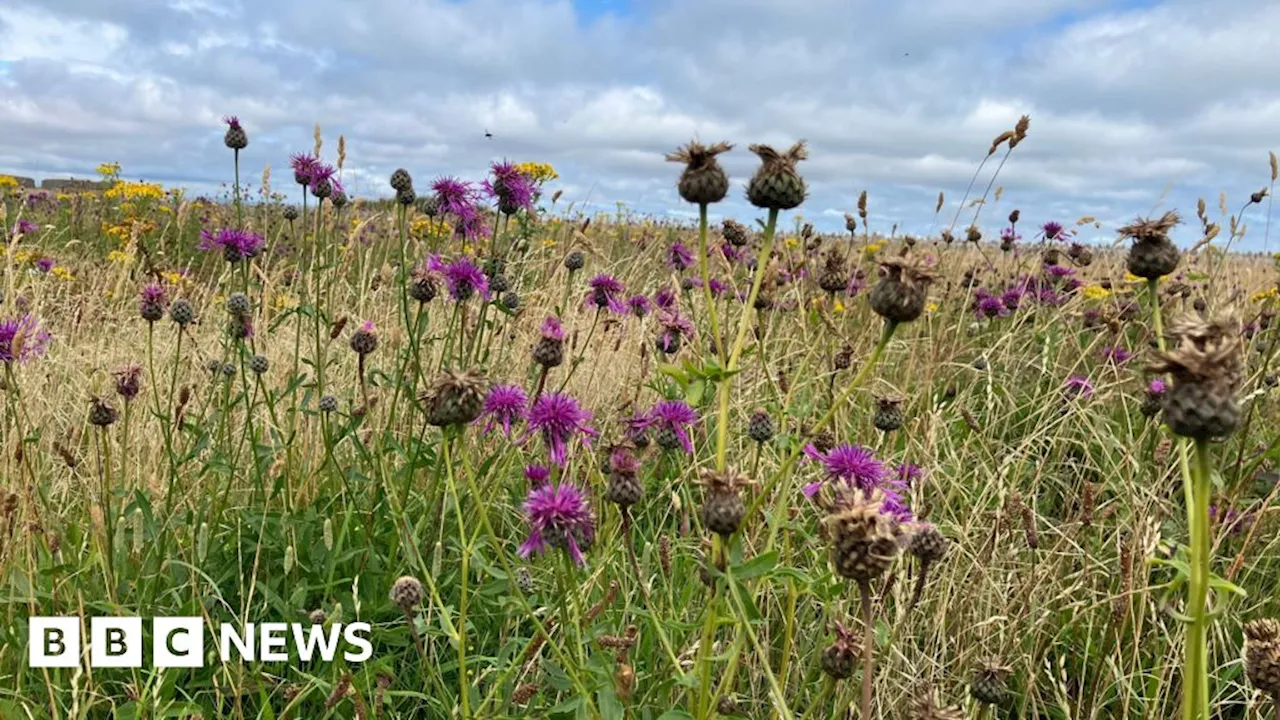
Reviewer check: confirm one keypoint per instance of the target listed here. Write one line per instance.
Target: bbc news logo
(179, 642)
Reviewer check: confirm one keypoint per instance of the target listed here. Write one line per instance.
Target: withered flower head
(703, 181)
(723, 509)
(865, 535)
(900, 294)
(1207, 366)
(1262, 655)
(1153, 254)
(454, 398)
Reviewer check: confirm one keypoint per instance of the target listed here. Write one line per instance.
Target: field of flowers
(575, 465)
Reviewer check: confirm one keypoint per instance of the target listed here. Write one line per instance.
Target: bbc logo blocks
(115, 642)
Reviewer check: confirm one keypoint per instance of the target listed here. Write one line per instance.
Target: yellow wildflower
(120, 257)
(1096, 292)
(538, 172)
(174, 278)
(109, 171)
(286, 301)
(8, 181)
(1268, 294)
(792, 242)
(62, 273)
(931, 307)
(549, 243)
(839, 306)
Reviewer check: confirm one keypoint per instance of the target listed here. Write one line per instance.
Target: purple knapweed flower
(679, 256)
(853, 465)
(674, 329)
(304, 166)
(1157, 387)
(1010, 235)
(45, 264)
(511, 188)
(236, 245)
(22, 339)
(908, 474)
(559, 418)
(1116, 355)
(1059, 271)
(461, 276)
(717, 287)
(559, 516)
(605, 294)
(1078, 386)
(551, 328)
(665, 299)
(504, 405)
(990, 306)
(639, 305)
(537, 475)
(1012, 298)
(1051, 230)
(676, 417)
(26, 227)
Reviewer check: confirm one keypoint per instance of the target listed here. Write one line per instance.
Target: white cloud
(1126, 103)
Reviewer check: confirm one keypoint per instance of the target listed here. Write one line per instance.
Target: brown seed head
(1000, 139)
(1148, 230)
(1204, 351)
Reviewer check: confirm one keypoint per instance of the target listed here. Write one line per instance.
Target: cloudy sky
(1135, 104)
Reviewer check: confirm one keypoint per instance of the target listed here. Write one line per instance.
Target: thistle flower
(559, 418)
(1077, 386)
(128, 381)
(461, 276)
(236, 245)
(458, 199)
(639, 305)
(559, 517)
(152, 302)
(1116, 355)
(665, 299)
(365, 339)
(236, 138)
(674, 329)
(549, 350)
(679, 256)
(673, 420)
(504, 405)
(605, 294)
(304, 166)
(852, 465)
(703, 181)
(22, 339)
(1051, 230)
(986, 305)
(513, 189)
(1206, 365)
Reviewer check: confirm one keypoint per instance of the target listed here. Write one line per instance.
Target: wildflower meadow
(569, 464)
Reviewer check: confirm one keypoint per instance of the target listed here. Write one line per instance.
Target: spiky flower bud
(327, 404)
(734, 232)
(401, 180)
(238, 305)
(101, 413)
(776, 185)
(990, 684)
(723, 509)
(1262, 655)
(1207, 366)
(406, 592)
(574, 261)
(289, 213)
(364, 340)
(888, 416)
(259, 364)
(182, 312)
(454, 398)
(900, 294)
(236, 138)
(834, 277)
(703, 181)
(760, 426)
(1152, 255)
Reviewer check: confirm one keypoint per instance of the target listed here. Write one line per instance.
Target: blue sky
(1136, 105)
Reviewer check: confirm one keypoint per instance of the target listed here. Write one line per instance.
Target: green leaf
(693, 394)
(757, 566)
(610, 707)
(1218, 583)
(675, 715)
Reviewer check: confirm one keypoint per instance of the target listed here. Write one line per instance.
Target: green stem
(706, 279)
(1196, 673)
(868, 648)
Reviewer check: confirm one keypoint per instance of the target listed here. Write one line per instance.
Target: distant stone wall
(73, 184)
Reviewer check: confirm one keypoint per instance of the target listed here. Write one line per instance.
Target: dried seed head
(900, 294)
(454, 398)
(862, 206)
(865, 536)
(990, 683)
(999, 140)
(1207, 366)
(1153, 254)
(407, 592)
(1262, 655)
(703, 181)
(723, 508)
(838, 657)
